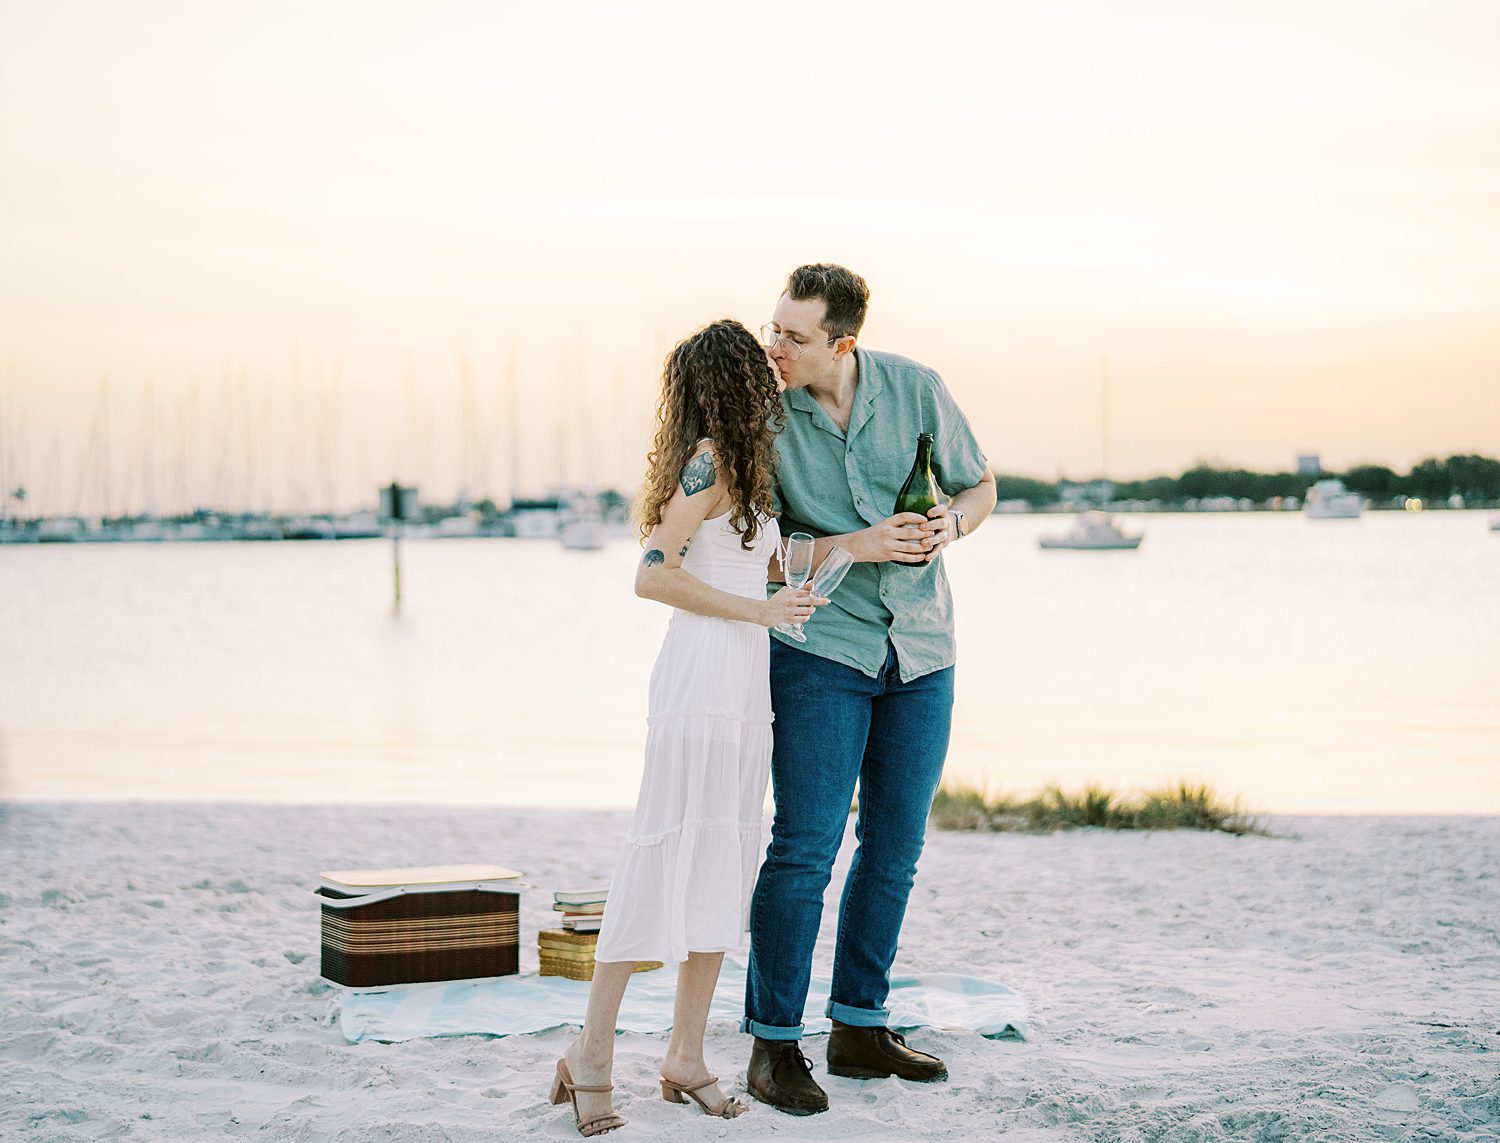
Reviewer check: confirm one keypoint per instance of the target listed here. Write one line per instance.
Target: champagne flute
(831, 572)
(796, 567)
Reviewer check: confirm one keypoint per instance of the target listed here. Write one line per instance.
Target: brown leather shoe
(874, 1053)
(782, 1076)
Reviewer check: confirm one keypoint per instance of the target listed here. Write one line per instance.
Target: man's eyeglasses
(771, 337)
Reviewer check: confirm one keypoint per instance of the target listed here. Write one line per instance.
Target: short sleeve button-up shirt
(832, 482)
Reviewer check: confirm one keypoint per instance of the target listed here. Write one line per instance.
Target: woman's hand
(791, 605)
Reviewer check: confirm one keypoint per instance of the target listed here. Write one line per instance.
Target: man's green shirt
(831, 482)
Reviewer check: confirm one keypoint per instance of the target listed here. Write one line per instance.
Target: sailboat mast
(513, 417)
(5, 447)
(468, 417)
(268, 446)
(584, 409)
(330, 434)
(89, 468)
(1104, 416)
(147, 446)
(106, 463)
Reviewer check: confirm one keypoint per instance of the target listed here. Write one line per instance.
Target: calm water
(1321, 667)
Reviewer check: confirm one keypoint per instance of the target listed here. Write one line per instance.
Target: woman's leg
(592, 1056)
(684, 1063)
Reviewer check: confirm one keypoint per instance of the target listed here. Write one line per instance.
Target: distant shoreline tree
(1037, 493)
(1475, 478)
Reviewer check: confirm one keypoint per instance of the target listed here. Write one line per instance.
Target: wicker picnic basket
(565, 952)
(405, 926)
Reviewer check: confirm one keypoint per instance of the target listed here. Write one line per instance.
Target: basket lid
(428, 876)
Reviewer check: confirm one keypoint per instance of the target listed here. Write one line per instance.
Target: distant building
(1309, 464)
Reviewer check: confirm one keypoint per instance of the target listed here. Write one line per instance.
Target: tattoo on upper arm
(653, 557)
(686, 546)
(698, 474)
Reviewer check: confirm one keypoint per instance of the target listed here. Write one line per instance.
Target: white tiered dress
(684, 878)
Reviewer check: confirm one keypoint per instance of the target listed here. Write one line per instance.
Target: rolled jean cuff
(770, 1031)
(858, 1017)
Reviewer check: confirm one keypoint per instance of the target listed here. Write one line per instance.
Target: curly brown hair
(719, 384)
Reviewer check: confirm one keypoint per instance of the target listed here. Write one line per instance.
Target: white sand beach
(1341, 981)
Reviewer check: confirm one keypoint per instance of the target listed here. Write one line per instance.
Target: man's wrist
(958, 523)
(854, 544)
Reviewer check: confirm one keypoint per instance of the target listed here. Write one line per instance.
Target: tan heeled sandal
(672, 1092)
(564, 1089)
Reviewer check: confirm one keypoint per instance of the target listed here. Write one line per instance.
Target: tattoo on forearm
(653, 557)
(698, 474)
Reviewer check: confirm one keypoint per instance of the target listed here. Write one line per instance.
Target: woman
(681, 890)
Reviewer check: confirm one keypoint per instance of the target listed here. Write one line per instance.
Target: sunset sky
(282, 232)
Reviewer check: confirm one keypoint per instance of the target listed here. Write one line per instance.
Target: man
(868, 697)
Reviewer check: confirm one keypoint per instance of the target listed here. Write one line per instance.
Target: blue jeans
(836, 725)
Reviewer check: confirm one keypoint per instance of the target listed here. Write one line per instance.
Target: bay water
(1302, 666)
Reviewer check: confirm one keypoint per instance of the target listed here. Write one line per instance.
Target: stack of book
(581, 909)
(569, 950)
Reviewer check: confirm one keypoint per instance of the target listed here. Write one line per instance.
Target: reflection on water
(1342, 666)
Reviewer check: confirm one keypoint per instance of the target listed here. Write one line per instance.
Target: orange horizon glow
(321, 241)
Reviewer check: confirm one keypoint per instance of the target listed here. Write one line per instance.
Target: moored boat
(1092, 531)
(581, 524)
(1330, 500)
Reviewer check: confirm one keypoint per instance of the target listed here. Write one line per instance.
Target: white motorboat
(1330, 500)
(357, 526)
(1091, 532)
(60, 530)
(308, 528)
(581, 524)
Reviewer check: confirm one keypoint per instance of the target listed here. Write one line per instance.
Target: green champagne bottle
(919, 493)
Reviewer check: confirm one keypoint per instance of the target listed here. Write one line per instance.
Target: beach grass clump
(1092, 807)
(1188, 806)
(963, 808)
(1185, 805)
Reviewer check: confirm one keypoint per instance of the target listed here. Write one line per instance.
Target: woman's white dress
(684, 878)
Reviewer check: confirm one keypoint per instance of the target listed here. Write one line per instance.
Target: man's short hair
(846, 296)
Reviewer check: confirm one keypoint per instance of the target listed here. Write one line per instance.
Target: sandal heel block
(672, 1092)
(564, 1090)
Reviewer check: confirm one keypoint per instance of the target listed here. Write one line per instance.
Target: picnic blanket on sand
(512, 1005)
